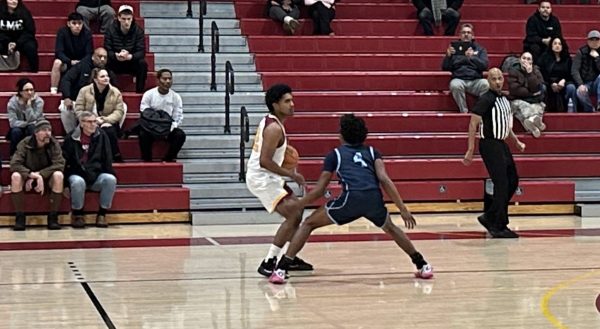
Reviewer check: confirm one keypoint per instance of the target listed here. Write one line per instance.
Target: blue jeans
(105, 184)
(571, 93)
(593, 89)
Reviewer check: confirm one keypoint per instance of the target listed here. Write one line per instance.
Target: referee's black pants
(502, 170)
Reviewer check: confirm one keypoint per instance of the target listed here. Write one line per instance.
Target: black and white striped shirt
(496, 115)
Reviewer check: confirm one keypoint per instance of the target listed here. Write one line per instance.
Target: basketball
(290, 161)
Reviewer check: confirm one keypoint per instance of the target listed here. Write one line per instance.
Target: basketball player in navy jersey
(265, 176)
(361, 170)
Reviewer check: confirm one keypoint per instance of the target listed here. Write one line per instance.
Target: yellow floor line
(548, 295)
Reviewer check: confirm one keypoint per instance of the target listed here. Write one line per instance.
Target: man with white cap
(586, 71)
(37, 166)
(100, 10)
(126, 46)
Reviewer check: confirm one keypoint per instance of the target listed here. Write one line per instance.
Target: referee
(493, 115)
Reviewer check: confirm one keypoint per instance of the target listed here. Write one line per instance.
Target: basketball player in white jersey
(265, 176)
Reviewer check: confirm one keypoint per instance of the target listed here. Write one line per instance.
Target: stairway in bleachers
(147, 192)
(378, 64)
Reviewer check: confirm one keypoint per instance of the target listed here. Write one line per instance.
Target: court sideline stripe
(88, 290)
(544, 304)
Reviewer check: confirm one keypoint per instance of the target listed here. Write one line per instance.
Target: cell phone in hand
(460, 46)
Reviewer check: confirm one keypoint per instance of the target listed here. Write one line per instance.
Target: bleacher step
(178, 9)
(587, 210)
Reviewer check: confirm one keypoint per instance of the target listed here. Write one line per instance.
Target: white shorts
(269, 189)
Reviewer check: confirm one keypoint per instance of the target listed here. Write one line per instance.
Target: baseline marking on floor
(552, 291)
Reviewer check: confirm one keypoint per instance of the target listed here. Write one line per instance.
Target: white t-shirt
(170, 103)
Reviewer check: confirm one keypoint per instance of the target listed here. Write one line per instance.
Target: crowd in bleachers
(542, 78)
(92, 109)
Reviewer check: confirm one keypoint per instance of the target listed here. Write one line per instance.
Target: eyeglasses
(89, 121)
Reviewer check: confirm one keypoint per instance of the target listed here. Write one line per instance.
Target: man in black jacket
(541, 27)
(77, 77)
(432, 12)
(467, 60)
(100, 10)
(73, 43)
(89, 166)
(586, 71)
(126, 47)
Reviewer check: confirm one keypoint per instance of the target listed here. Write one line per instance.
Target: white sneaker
(53, 90)
(531, 127)
(426, 272)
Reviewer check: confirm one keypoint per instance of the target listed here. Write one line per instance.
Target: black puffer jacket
(585, 67)
(133, 41)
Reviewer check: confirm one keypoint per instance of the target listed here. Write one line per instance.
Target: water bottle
(570, 106)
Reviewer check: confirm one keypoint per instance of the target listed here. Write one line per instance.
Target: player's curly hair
(275, 93)
(353, 129)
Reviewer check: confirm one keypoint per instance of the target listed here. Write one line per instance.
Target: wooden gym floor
(179, 276)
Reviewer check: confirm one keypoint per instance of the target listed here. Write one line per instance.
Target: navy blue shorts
(351, 205)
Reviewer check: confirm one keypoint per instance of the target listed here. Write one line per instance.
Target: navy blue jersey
(355, 166)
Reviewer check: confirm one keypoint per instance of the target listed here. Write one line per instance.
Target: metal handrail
(200, 24)
(229, 90)
(214, 49)
(244, 138)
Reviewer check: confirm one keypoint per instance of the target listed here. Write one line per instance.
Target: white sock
(273, 252)
(284, 249)
(287, 19)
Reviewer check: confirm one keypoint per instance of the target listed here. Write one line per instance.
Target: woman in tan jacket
(106, 102)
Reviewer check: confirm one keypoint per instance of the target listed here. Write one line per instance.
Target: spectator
(17, 32)
(88, 157)
(555, 65)
(163, 98)
(24, 109)
(37, 165)
(285, 12)
(100, 10)
(126, 47)
(75, 78)
(541, 28)
(432, 12)
(526, 92)
(73, 43)
(586, 71)
(467, 60)
(106, 102)
(322, 13)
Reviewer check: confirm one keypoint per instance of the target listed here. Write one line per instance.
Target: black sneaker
(299, 265)
(509, 234)
(482, 219)
(267, 266)
(53, 222)
(20, 221)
